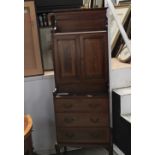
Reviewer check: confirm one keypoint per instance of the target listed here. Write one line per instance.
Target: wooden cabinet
(81, 98)
(32, 57)
(81, 61)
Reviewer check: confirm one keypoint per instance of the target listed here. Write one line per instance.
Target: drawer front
(83, 135)
(81, 119)
(81, 105)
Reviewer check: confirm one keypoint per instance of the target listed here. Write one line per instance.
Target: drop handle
(93, 106)
(68, 105)
(69, 120)
(94, 120)
(69, 135)
(95, 135)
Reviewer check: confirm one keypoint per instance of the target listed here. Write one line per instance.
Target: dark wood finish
(83, 135)
(57, 149)
(67, 59)
(28, 149)
(81, 61)
(94, 60)
(32, 58)
(81, 104)
(81, 20)
(82, 119)
(81, 98)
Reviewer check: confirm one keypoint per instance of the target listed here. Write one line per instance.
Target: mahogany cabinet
(32, 57)
(81, 99)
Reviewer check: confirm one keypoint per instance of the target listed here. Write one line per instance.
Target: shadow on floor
(87, 151)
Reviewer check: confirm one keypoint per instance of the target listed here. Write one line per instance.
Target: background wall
(38, 102)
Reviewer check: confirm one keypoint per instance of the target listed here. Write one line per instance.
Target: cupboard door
(66, 58)
(32, 58)
(94, 58)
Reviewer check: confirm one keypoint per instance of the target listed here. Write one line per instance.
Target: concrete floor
(88, 151)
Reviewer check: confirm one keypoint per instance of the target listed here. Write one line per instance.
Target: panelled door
(81, 61)
(67, 58)
(94, 59)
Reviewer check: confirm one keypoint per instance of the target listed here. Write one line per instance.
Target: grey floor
(89, 151)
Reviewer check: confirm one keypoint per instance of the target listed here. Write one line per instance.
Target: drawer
(82, 119)
(83, 135)
(79, 104)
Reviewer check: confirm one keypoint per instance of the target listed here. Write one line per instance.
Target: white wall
(38, 102)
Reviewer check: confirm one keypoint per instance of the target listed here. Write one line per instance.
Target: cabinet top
(80, 20)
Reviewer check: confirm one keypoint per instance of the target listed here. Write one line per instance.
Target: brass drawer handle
(95, 135)
(94, 120)
(69, 120)
(68, 105)
(93, 106)
(69, 135)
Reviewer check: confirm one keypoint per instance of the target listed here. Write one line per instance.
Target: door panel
(81, 61)
(94, 61)
(93, 57)
(67, 58)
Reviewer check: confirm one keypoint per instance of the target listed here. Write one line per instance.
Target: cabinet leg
(111, 143)
(110, 150)
(57, 149)
(65, 149)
